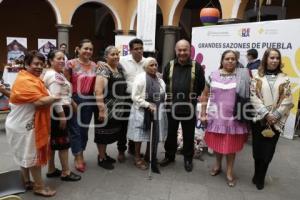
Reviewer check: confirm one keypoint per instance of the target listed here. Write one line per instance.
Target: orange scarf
(28, 89)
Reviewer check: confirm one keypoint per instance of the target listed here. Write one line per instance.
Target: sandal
(141, 164)
(80, 167)
(215, 172)
(231, 182)
(43, 191)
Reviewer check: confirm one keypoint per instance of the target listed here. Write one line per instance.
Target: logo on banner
(125, 50)
(245, 32)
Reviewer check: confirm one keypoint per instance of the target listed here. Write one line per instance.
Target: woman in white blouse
(57, 84)
(148, 96)
(272, 100)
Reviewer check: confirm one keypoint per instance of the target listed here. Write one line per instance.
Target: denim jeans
(80, 121)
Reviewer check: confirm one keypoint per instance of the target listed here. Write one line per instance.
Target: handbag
(268, 132)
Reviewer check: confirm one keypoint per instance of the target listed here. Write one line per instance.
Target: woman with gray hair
(148, 96)
(110, 90)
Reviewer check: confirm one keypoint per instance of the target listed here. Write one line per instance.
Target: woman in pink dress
(224, 133)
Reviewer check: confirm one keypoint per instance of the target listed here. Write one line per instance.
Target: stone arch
(56, 11)
(175, 12)
(113, 12)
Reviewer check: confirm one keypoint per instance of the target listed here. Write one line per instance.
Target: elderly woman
(148, 96)
(225, 134)
(110, 88)
(57, 83)
(272, 101)
(28, 123)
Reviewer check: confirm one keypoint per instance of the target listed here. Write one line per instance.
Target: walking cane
(150, 151)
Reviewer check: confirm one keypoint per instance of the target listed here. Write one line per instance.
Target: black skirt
(107, 133)
(59, 138)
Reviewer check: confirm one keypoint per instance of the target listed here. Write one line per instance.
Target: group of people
(51, 110)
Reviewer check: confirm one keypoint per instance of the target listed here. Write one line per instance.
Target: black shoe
(105, 164)
(54, 174)
(260, 186)
(154, 167)
(188, 165)
(110, 159)
(166, 161)
(71, 177)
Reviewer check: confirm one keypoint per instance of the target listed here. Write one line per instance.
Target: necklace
(83, 63)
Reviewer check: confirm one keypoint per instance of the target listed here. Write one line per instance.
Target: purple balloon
(192, 52)
(199, 58)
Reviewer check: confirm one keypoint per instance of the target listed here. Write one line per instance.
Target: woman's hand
(62, 123)
(101, 64)
(271, 119)
(152, 107)
(102, 115)
(56, 97)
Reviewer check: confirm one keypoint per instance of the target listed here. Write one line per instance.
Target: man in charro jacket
(185, 81)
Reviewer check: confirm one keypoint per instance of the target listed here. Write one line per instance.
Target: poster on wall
(208, 43)
(122, 43)
(46, 45)
(16, 48)
(146, 23)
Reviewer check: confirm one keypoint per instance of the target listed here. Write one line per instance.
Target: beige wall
(121, 10)
(124, 11)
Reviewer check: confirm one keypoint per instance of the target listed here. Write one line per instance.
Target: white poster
(210, 42)
(146, 23)
(46, 45)
(16, 48)
(122, 43)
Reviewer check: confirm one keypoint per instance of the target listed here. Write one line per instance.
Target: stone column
(63, 34)
(170, 36)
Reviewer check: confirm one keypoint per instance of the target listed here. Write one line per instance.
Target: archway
(190, 18)
(31, 19)
(94, 21)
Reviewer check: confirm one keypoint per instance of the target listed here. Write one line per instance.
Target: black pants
(188, 133)
(122, 141)
(263, 151)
